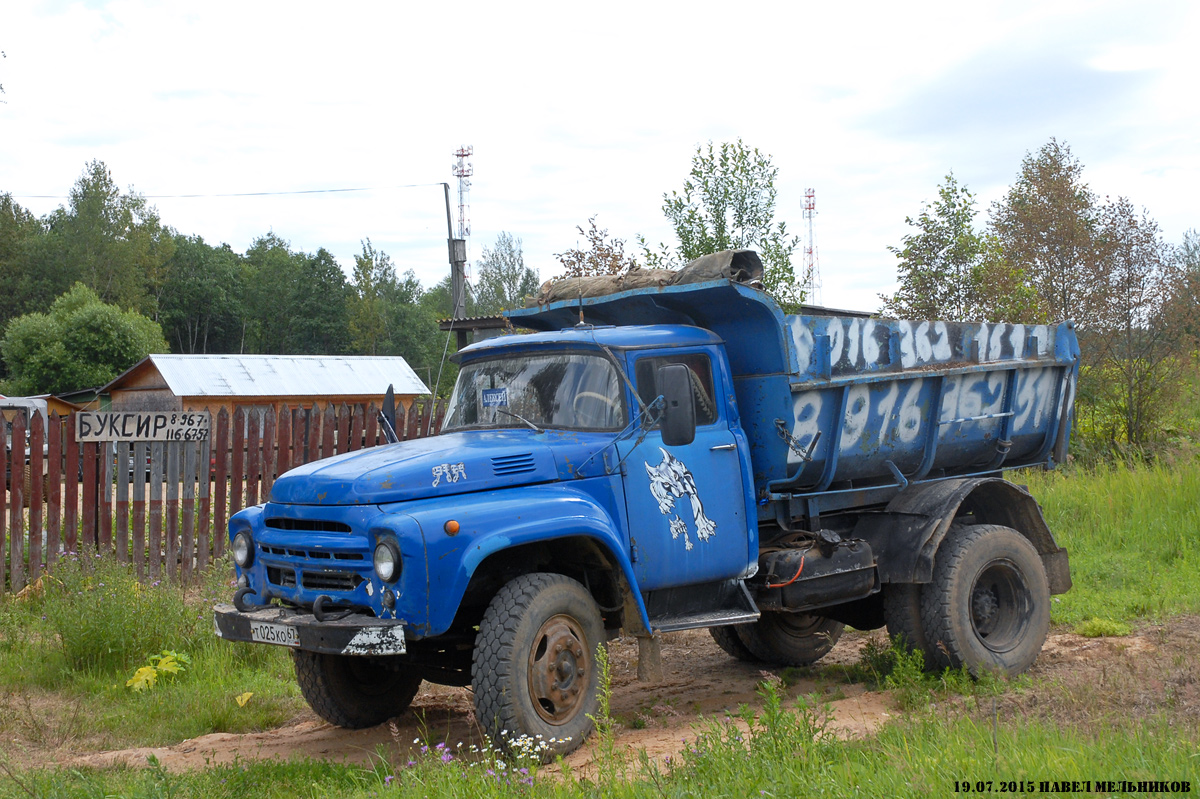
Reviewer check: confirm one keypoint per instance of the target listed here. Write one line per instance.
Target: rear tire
(902, 615)
(354, 691)
(790, 639)
(727, 638)
(988, 607)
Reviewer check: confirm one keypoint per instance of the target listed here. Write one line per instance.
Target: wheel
(790, 639)
(727, 638)
(988, 607)
(534, 671)
(353, 691)
(902, 615)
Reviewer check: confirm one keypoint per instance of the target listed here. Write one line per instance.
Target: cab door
(686, 504)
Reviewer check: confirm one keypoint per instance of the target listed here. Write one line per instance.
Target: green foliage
(502, 281)
(374, 284)
(948, 270)
(1130, 532)
(1101, 628)
(297, 303)
(603, 256)
(83, 342)
(166, 664)
(728, 202)
(201, 305)
(1046, 223)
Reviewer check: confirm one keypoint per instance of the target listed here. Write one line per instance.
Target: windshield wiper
(521, 418)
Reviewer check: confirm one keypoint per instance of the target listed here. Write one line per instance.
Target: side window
(646, 374)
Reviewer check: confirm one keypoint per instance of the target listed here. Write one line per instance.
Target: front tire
(354, 691)
(534, 671)
(988, 607)
(790, 639)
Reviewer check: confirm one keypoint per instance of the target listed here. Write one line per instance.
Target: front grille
(281, 577)
(307, 525)
(331, 581)
(312, 554)
(504, 465)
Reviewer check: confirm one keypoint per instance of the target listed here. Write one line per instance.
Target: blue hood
(454, 463)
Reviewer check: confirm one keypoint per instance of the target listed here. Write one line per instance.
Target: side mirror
(679, 414)
(388, 415)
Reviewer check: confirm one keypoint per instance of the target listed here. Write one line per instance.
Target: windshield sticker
(453, 472)
(495, 397)
(670, 480)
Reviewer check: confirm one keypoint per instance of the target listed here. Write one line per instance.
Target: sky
(581, 110)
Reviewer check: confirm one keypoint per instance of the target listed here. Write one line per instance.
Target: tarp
(740, 266)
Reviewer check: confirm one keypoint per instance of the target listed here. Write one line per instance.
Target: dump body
(833, 405)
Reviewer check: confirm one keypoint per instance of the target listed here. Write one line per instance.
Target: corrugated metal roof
(284, 375)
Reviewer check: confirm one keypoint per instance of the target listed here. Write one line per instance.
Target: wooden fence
(163, 506)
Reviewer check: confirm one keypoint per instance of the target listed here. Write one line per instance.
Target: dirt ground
(1076, 680)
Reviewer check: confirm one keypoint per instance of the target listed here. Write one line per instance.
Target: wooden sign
(142, 426)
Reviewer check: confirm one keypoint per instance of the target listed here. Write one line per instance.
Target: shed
(199, 382)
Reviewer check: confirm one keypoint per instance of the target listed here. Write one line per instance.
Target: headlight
(243, 549)
(387, 561)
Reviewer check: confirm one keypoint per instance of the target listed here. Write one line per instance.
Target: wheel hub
(558, 670)
(1001, 607)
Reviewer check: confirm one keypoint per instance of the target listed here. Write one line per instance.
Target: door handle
(723, 446)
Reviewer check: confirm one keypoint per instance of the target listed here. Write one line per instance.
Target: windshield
(575, 391)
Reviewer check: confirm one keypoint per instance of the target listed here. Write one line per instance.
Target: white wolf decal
(670, 480)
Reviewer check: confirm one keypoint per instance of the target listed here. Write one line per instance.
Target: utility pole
(458, 245)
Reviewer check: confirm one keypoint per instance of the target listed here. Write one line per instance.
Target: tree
(502, 280)
(113, 243)
(201, 304)
(81, 343)
(19, 230)
(296, 303)
(1046, 223)
(1135, 346)
(948, 270)
(374, 282)
(728, 202)
(603, 257)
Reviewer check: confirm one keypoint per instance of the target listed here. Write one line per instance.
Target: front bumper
(354, 635)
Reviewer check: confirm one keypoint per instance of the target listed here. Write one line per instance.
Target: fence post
(156, 493)
(171, 569)
(187, 549)
(314, 434)
(124, 466)
(253, 458)
(16, 519)
(343, 429)
(414, 420)
(328, 426)
(356, 428)
(221, 501)
(283, 440)
(105, 470)
(205, 531)
(372, 426)
(270, 455)
(300, 421)
(5, 464)
(141, 478)
(54, 478)
(71, 475)
(237, 472)
(37, 485)
(439, 416)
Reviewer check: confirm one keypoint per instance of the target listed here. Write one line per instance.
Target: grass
(1131, 532)
(1132, 537)
(88, 631)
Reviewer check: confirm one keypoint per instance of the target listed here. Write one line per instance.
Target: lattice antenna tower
(812, 266)
(463, 171)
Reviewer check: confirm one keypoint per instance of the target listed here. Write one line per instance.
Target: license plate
(267, 633)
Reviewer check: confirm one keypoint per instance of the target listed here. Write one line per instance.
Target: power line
(237, 194)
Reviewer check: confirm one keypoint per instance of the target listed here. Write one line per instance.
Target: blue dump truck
(676, 454)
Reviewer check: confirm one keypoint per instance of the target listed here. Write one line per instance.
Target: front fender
(492, 521)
